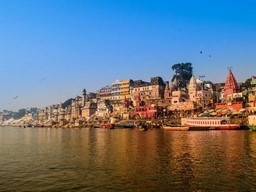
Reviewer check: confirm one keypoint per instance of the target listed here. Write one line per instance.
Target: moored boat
(252, 122)
(175, 128)
(107, 126)
(209, 123)
(142, 128)
(124, 125)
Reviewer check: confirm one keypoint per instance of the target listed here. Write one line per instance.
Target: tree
(67, 103)
(247, 83)
(21, 113)
(183, 74)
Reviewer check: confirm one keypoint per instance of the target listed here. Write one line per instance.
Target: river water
(89, 159)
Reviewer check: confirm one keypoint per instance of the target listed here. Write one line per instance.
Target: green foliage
(33, 110)
(247, 83)
(67, 103)
(21, 113)
(183, 74)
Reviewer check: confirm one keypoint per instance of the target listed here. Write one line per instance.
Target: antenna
(201, 76)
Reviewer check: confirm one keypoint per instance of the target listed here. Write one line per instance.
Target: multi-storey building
(76, 107)
(104, 108)
(125, 88)
(140, 89)
(158, 88)
(89, 109)
(116, 91)
(252, 93)
(105, 93)
(152, 91)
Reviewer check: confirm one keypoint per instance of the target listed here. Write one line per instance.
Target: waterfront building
(232, 96)
(148, 98)
(252, 93)
(67, 115)
(28, 118)
(55, 112)
(231, 87)
(219, 90)
(116, 100)
(167, 93)
(198, 97)
(141, 89)
(116, 91)
(45, 115)
(150, 92)
(89, 108)
(200, 92)
(143, 110)
(146, 112)
(180, 101)
(41, 116)
(105, 93)
(61, 115)
(125, 88)
(76, 107)
(104, 108)
(158, 88)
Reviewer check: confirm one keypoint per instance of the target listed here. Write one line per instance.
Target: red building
(143, 111)
(231, 86)
(146, 112)
(232, 98)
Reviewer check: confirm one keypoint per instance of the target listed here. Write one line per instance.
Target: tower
(231, 86)
(84, 97)
(167, 93)
(192, 89)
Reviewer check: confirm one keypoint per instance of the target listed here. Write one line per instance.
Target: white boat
(209, 123)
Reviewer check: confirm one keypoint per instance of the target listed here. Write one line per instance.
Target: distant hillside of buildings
(138, 99)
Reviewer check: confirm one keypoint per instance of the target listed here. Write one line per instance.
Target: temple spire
(231, 85)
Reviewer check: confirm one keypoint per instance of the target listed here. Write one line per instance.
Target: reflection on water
(43, 159)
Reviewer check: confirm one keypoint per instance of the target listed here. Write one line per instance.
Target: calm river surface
(45, 159)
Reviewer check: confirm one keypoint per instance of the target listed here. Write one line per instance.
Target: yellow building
(125, 88)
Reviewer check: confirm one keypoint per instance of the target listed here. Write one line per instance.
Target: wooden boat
(252, 122)
(209, 123)
(124, 125)
(142, 128)
(107, 126)
(175, 128)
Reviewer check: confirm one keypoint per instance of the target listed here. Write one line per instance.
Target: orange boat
(107, 126)
(209, 123)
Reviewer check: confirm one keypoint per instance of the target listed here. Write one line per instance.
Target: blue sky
(50, 50)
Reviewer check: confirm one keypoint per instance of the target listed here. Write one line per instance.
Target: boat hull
(229, 127)
(175, 128)
(221, 127)
(107, 126)
(201, 128)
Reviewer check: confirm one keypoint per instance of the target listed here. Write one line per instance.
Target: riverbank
(125, 123)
